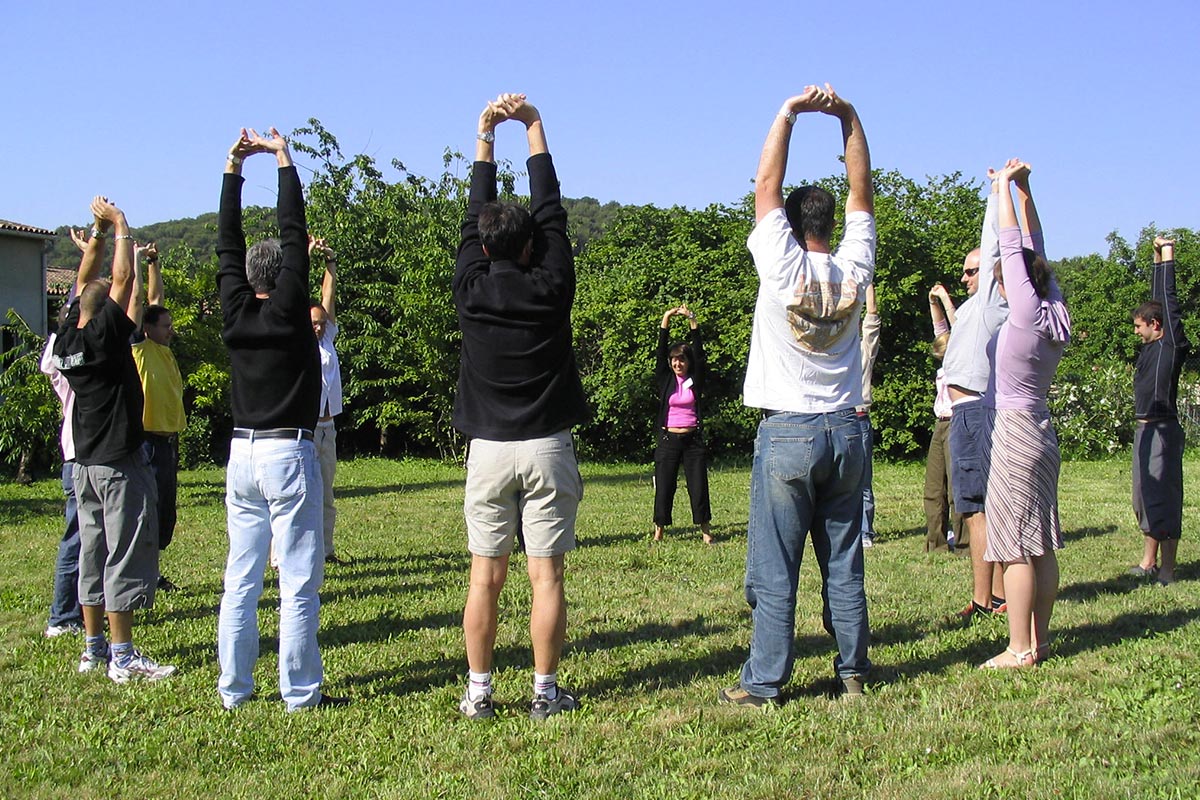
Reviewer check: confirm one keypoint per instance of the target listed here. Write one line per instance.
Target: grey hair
(263, 262)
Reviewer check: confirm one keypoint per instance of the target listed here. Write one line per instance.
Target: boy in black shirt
(118, 525)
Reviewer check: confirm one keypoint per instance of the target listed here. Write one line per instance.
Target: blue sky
(644, 102)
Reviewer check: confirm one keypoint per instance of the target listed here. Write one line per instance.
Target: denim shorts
(968, 456)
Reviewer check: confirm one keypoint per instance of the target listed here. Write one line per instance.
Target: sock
(122, 653)
(546, 685)
(96, 645)
(479, 685)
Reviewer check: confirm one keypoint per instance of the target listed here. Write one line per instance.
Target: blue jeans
(807, 477)
(64, 607)
(868, 445)
(272, 495)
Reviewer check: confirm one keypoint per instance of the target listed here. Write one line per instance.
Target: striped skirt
(1022, 462)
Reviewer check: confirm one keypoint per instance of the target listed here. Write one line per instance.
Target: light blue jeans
(807, 477)
(272, 496)
(64, 608)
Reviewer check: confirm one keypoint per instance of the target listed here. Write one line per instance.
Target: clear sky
(644, 102)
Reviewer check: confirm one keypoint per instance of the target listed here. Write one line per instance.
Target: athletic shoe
(482, 708)
(868, 540)
(54, 631)
(90, 661)
(738, 696)
(852, 687)
(138, 667)
(542, 707)
(1138, 571)
(166, 585)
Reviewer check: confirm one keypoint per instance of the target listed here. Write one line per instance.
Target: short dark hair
(685, 350)
(92, 298)
(152, 314)
(263, 262)
(505, 229)
(1149, 311)
(809, 209)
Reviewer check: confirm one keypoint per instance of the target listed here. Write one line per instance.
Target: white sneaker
(54, 631)
(138, 667)
(89, 661)
(868, 540)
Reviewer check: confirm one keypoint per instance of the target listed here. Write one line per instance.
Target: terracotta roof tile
(6, 225)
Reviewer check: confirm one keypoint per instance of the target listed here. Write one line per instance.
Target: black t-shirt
(98, 364)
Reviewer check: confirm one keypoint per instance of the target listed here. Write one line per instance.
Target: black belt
(273, 433)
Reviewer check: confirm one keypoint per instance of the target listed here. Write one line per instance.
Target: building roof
(59, 281)
(17, 227)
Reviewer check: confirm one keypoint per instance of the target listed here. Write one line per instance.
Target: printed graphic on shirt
(820, 313)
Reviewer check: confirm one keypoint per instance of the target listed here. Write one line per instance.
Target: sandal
(1042, 653)
(1023, 659)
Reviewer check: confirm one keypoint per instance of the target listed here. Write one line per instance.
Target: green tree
(30, 414)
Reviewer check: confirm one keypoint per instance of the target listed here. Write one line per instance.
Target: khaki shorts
(533, 485)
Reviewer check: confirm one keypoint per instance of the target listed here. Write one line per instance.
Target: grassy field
(654, 632)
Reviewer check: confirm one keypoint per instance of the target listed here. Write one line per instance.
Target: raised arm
(858, 156)
(1162, 289)
(137, 294)
(155, 290)
(471, 260)
(1030, 224)
(93, 248)
(329, 282)
(122, 264)
(772, 164)
(516, 107)
(941, 308)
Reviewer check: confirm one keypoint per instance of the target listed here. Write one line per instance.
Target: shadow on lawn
(18, 511)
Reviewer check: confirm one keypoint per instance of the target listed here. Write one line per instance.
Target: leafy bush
(30, 414)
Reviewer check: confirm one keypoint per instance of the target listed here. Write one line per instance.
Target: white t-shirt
(805, 354)
(331, 374)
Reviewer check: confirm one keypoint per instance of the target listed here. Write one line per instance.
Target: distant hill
(587, 218)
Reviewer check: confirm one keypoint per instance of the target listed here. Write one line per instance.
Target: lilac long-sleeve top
(1025, 352)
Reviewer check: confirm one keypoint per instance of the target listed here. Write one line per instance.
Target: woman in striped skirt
(1023, 530)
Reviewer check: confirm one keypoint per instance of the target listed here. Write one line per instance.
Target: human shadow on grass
(1067, 642)
(20, 510)
(1088, 532)
(341, 492)
(360, 568)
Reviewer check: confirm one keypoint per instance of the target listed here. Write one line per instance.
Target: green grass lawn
(654, 633)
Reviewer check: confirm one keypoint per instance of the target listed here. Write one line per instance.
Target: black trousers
(675, 449)
(163, 454)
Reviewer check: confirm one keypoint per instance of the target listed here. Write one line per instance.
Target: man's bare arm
(93, 249)
(858, 156)
(516, 107)
(772, 164)
(329, 282)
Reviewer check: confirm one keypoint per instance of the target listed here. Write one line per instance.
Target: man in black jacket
(273, 479)
(519, 395)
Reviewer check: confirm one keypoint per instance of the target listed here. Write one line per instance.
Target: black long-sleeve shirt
(275, 365)
(1156, 371)
(517, 377)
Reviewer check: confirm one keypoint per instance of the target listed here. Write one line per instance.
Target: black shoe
(542, 707)
(333, 559)
(329, 701)
(165, 584)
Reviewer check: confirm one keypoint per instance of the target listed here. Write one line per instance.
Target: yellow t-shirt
(163, 387)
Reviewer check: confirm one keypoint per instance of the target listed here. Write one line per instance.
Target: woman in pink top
(679, 377)
(1023, 530)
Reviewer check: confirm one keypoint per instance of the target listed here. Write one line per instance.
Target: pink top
(65, 396)
(681, 406)
(941, 401)
(1026, 350)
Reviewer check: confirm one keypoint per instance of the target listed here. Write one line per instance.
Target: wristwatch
(789, 116)
(486, 136)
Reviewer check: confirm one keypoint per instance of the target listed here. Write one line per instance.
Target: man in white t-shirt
(805, 373)
(325, 435)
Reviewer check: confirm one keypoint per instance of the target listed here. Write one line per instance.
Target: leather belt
(273, 433)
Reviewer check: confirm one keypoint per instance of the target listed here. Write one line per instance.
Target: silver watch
(486, 136)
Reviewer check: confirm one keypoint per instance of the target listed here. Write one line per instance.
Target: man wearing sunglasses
(966, 368)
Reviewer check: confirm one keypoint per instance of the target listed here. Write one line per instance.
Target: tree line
(396, 237)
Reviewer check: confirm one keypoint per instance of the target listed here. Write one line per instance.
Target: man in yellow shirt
(162, 385)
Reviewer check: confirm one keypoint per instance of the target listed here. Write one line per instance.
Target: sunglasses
(972, 272)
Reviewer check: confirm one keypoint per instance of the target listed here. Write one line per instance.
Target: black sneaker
(542, 707)
(165, 584)
(483, 708)
(738, 696)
